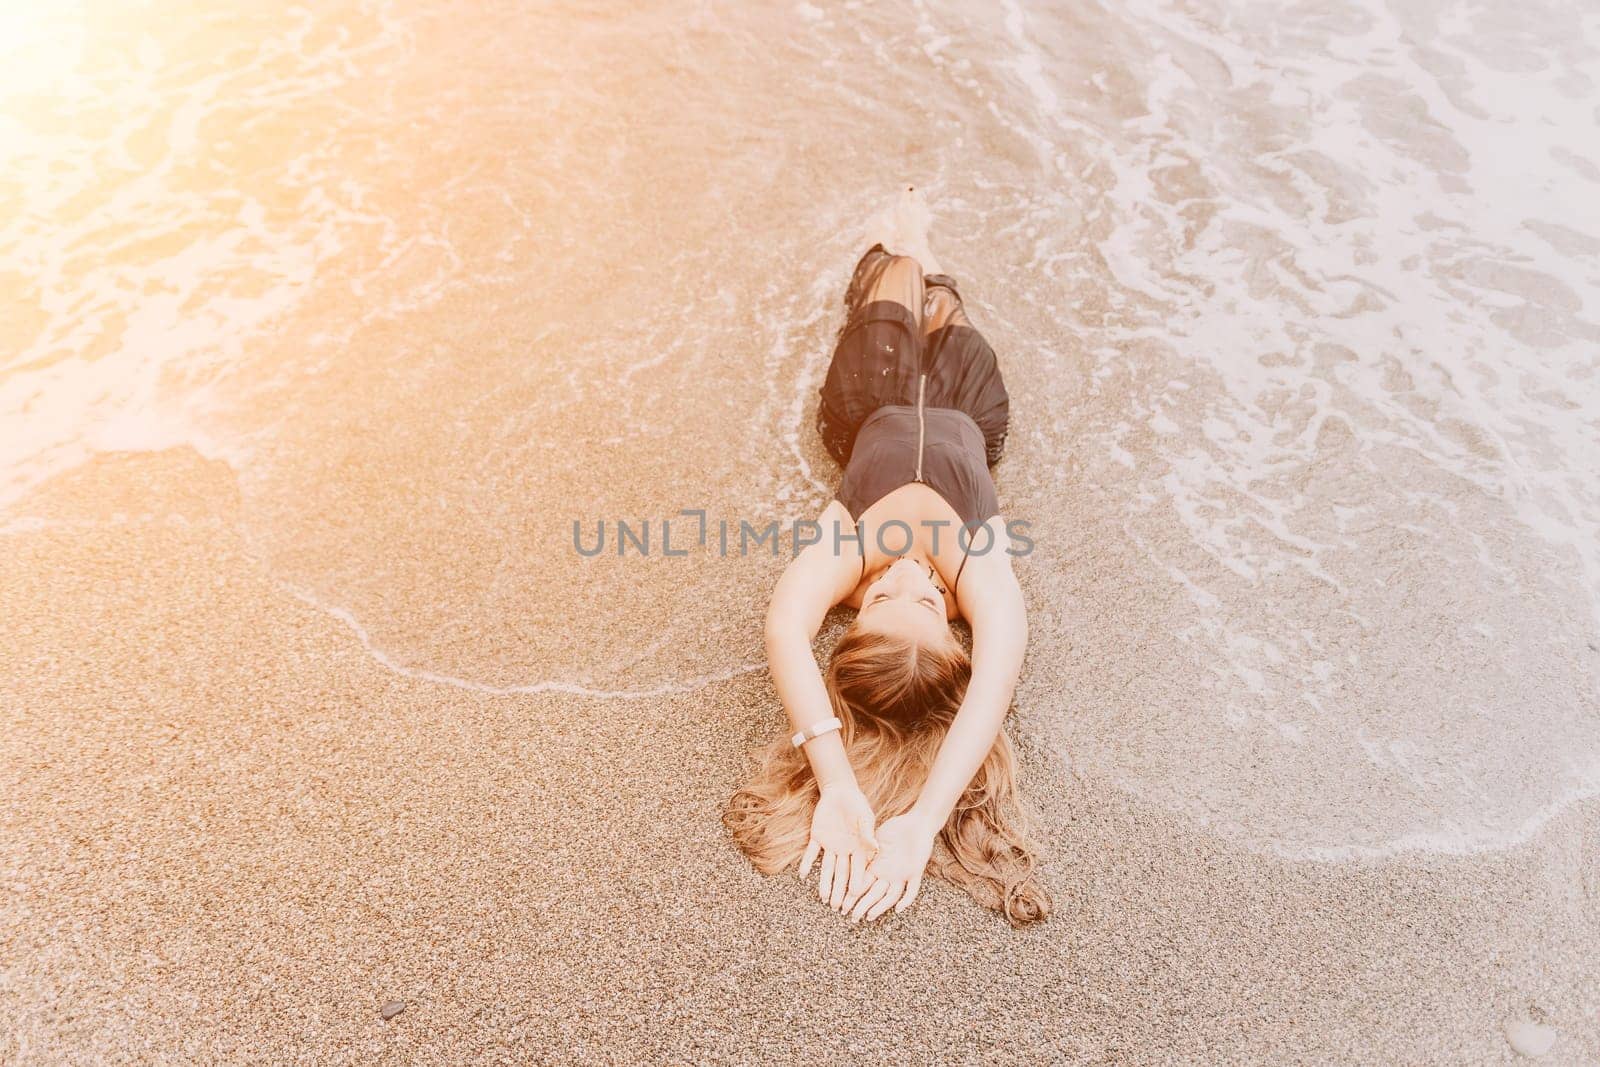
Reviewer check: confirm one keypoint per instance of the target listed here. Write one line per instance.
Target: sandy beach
(232, 835)
(320, 742)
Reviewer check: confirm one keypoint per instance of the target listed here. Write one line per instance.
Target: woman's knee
(942, 308)
(897, 278)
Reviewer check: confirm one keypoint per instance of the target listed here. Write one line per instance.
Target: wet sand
(231, 833)
(322, 327)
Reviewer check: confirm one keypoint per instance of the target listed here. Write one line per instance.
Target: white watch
(816, 730)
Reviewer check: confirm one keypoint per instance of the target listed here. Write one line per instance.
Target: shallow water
(1297, 307)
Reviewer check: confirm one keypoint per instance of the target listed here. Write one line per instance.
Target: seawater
(1297, 308)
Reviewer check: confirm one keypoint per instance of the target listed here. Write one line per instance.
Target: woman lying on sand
(904, 726)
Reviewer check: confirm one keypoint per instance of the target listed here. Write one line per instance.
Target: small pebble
(1529, 1038)
(391, 1009)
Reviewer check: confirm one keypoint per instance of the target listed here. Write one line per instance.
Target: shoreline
(233, 832)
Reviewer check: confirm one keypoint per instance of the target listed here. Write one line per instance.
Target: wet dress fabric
(898, 407)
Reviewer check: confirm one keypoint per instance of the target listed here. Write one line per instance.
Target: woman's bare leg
(942, 308)
(902, 227)
(885, 276)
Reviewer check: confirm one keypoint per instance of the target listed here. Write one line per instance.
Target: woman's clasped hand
(865, 869)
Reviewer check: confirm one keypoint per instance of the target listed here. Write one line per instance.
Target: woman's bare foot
(902, 227)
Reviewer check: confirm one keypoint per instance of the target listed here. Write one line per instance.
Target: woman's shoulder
(821, 574)
(987, 551)
(832, 545)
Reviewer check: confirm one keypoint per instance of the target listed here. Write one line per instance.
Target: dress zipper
(922, 383)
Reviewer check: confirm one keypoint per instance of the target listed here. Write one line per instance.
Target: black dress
(897, 407)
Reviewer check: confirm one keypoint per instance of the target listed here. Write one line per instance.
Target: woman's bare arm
(813, 582)
(991, 600)
(843, 823)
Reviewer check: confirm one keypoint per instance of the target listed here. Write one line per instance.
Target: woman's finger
(825, 882)
(859, 881)
(841, 882)
(886, 901)
(809, 857)
(878, 888)
(911, 893)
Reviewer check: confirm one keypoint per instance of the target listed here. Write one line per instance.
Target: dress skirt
(880, 356)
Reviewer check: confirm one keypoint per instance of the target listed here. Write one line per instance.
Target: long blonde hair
(896, 700)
